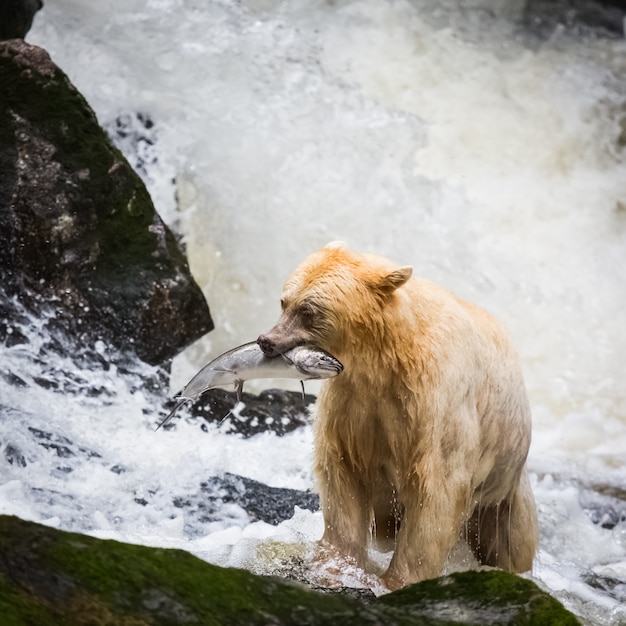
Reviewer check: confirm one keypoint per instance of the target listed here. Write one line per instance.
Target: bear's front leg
(347, 515)
(429, 529)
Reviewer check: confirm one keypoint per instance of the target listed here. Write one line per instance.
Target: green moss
(496, 596)
(52, 577)
(117, 582)
(20, 608)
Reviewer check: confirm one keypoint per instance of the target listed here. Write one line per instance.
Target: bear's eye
(307, 314)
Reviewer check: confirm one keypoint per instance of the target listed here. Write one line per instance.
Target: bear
(422, 440)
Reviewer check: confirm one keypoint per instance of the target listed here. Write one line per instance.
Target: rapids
(444, 135)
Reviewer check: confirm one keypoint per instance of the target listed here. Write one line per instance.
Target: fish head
(313, 363)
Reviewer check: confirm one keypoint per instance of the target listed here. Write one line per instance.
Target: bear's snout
(267, 345)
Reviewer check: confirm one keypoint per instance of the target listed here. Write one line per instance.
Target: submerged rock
(83, 246)
(57, 578)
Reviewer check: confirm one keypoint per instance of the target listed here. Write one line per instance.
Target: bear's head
(335, 300)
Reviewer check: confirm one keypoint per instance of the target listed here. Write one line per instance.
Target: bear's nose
(267, 345)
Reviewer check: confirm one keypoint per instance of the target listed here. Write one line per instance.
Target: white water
(437, 135)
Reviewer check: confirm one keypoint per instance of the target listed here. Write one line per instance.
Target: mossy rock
(82, 241)
(57, 578)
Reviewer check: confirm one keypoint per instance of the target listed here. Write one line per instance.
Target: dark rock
(604, 504)
(613, 587)
(57, 578)
(14, 456)
(13, 379)
(580, 17)
(82, 244)
(273, 410)
(268, 504)
(16, 17)
(62, 446)
(272, 505)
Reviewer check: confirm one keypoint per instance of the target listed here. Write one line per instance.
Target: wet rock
(14, 456)
(83, 248)
(268, 504)
(60, 445)
(605, 505)
(612, 586)
(57, 578)
(580, 17)
(13, 379)
(491, 597)
(273, 410)
(272, 505)
(16, 17)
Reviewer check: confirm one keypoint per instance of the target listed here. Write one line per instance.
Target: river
(444, 135)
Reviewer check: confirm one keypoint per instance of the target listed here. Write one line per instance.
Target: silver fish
(248, 362)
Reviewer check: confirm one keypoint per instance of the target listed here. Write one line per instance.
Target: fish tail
(171, 413)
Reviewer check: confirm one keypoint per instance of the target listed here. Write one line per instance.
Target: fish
(248, 362)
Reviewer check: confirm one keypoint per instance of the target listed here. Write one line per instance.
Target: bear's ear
(336, 245)
(388, 283)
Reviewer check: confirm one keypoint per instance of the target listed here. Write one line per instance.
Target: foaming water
(442, 137)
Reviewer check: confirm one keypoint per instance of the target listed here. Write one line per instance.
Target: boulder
(57, 578)
(83, 246)
(16, 17)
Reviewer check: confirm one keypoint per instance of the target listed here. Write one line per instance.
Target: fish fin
(238, 390)
(302, 385)
(170, 415)
(225, 416)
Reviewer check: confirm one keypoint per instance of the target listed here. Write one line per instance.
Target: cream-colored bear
(423, 438)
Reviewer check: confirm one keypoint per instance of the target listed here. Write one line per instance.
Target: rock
(488, 597)
(598, 18)
(16, 17)
(605, 504)
(272, 505)
(83, 246)
(273, 410)
(57, 578)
